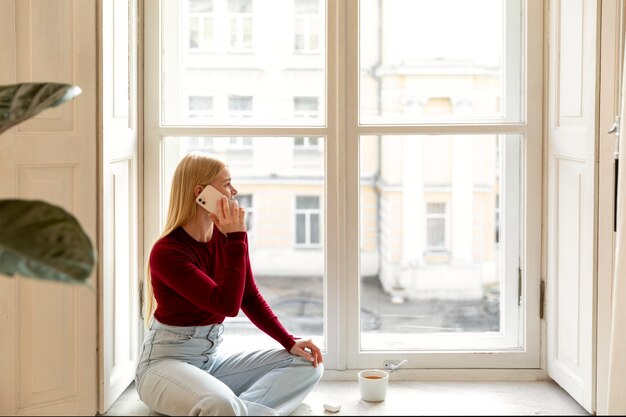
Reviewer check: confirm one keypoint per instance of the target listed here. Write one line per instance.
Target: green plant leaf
(19, 102)
(41, 240)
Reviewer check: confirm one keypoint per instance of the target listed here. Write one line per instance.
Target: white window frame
(340, 231)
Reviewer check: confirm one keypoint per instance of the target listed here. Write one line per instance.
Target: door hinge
(542, 296)
(519, 286)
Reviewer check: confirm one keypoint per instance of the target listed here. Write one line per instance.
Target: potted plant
(39, 239)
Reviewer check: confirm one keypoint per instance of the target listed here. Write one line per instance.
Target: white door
(119, 313)
(48, 354)
(571, 212)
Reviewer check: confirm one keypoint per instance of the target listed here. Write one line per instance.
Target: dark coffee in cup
(373, 377)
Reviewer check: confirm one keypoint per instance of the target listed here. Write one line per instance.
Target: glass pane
(315, 229)
(200, 103)
(242, 50)
(240, 6)
(194, 36)
(306, 202)
(435, 234)
(208, 32)
(431, 264)
(300, 228)
(291, 280)
(306, 6)
(443, 61)
(200, 6)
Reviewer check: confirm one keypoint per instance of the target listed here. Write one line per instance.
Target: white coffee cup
(373, 384)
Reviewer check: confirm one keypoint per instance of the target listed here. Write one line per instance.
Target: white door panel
(48, 355)
(571, 196)
(119, 313)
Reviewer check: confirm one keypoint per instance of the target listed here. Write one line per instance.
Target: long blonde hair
(194, 169)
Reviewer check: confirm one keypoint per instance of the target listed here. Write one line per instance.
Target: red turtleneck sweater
(197, 283)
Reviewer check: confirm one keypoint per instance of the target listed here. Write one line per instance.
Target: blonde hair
(194, 169)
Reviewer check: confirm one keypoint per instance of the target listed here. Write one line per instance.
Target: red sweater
(197, 283)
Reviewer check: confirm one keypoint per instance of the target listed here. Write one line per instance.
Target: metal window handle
(615, 129)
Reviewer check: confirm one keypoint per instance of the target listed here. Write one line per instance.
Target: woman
(199, 273)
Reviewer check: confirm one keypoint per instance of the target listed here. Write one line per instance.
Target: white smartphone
(208, 199)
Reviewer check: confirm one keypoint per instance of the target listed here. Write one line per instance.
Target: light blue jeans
(181, 372)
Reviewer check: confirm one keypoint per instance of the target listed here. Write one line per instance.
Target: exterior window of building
(436, 227)
(307, 220)
(302, 143)
(240, 18)
(200, 24)
(196, 144)
(246, 201)
(306, 26)
(308, 152)
(306, 107)
(200, 107)
(241, 142)
(239, 152)
(240, 106)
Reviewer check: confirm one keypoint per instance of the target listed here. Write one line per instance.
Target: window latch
(615, 129)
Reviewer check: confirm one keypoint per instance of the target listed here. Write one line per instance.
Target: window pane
(237, 48)
(435, 234)
(315, 229)
(300, 228)
(201, 6)
(430, 261)
(290, 279)
(306, 6)
(200, 103)
(306, 202)
(436, 208)
(194, 33)
(240, 6)
(425, 61)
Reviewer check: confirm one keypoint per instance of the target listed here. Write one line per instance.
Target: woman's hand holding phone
(230, 217)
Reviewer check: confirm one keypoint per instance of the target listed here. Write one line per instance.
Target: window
(306, 143)
(390, 148)
(200, 24)
(200, 106)
(240, 142)
(246, 201)
(436, 230)
(307, 215)
(305, 107)
(307, 26)
(308, 153)
(240, 106)
(240, 17)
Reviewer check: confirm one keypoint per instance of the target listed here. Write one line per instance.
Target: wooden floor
(419, 398)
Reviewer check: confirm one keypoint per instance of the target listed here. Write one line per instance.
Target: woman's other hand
(230, 217)
(308, 350)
